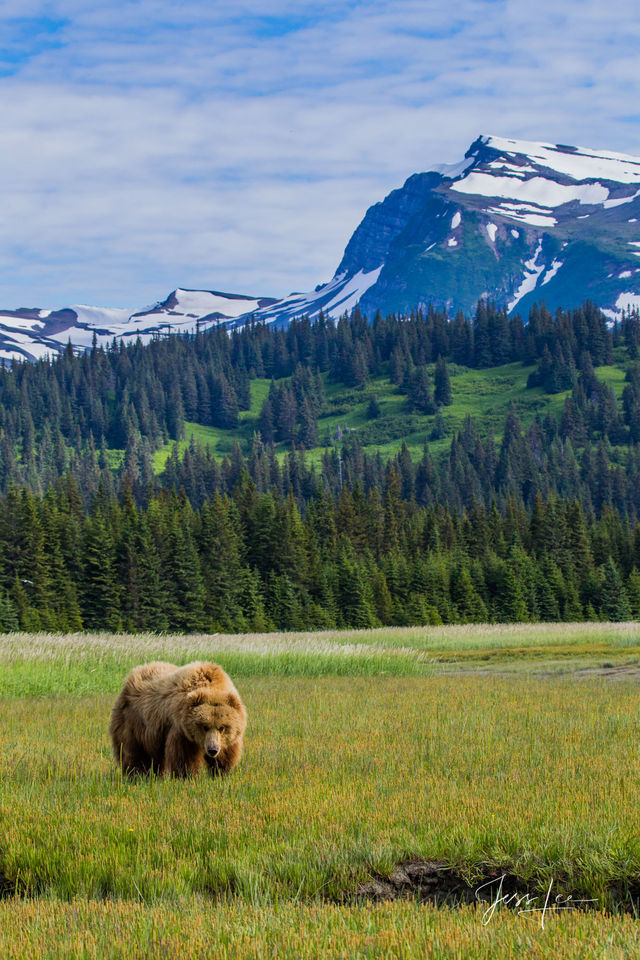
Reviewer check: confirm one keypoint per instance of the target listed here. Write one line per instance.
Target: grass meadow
(489, 750)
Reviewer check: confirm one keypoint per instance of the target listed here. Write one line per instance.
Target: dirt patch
(16, 887)
(552, 670)
(438, 883)
(611, 671)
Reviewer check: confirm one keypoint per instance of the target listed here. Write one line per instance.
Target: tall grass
(39, 664)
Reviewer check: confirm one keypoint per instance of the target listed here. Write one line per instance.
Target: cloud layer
(150, 144)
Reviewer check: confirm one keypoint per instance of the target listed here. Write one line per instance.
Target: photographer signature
(524, 903)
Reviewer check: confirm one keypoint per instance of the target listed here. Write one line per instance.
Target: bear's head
(214, 720)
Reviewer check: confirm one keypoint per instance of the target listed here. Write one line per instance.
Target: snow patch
(492, 229)
(337, 296)
(34, 349)
(452, 242)
(628, 300)
(455, 220)
(20, 323)
(352, 291)
(532, 219)
(196, 304)
(624, 274)
(579, 164)
(452, 170)
(101, 317)
(616, 203)
(515, 234)
(551, 272)
(530, 278)
(543, 192)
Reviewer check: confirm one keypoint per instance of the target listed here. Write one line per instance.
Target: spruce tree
(614, 602)
(442, 391)
(100, 600)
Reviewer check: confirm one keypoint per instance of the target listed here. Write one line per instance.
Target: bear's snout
(212, 744)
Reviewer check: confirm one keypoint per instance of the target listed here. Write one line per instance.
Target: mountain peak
(575, 163)
(514, 220)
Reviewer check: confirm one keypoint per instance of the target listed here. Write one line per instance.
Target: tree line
(255, 561)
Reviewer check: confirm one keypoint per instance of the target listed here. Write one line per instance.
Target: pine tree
(100, 600)
(419, 391)
(614, 602)
(373, 408)
(442, 391)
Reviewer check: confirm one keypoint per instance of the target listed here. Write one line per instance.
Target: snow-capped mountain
(513, 221)
(32, 334)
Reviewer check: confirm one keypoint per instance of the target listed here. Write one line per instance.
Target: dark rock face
(384, 222)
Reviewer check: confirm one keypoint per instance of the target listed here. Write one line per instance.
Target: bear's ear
(195, 697)
(233, 700)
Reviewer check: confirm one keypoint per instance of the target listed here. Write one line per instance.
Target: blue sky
(152, 144)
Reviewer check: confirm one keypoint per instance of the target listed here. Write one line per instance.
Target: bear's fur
(175, 720)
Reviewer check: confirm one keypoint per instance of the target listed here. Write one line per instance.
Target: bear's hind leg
(134, 759)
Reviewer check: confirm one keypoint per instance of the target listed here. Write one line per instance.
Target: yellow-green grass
(259, 393)
(613, 376)
(351, 767)
(486, 395)
(218, 440)
(388, 931)
(342, 777)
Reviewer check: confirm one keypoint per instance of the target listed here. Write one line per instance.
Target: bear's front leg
(182, 758)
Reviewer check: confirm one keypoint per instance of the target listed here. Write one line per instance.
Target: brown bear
(174, 720)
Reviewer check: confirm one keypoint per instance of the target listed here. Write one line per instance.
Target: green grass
(364, 749)
(613, 376)
(486, 395)
(218, 440)
(259, 393)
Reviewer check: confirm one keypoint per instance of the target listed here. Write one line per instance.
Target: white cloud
(148, 144)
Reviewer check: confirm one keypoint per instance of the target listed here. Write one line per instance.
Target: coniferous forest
(535, 521)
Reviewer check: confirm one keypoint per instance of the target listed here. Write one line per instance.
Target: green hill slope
(486, 395)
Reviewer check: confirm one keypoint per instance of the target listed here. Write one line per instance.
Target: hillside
(485, 395)
(379, 387)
